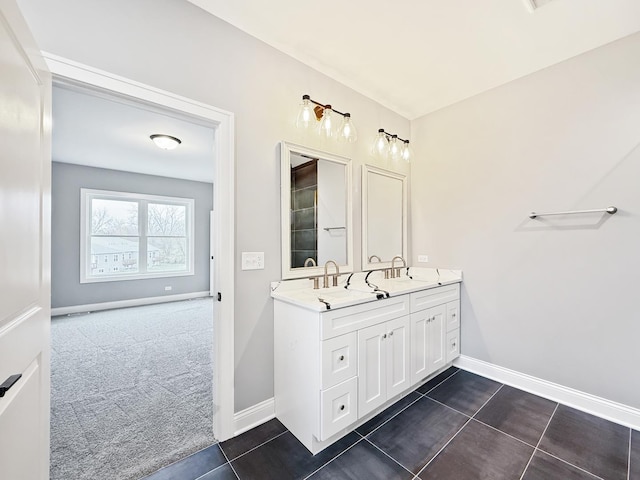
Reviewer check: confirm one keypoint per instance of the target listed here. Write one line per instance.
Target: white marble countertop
(361, 287)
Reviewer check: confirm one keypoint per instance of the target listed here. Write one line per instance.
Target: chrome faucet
(325, 283)
(395, 272)
(311, 262)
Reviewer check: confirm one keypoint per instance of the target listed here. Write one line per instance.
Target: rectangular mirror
(316, 206)
(384, 217)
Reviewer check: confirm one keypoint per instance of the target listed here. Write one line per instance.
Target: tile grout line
(385, 453)
(436, 386)
(252, 449)
(539, 440)
(228, 462)
(390, 418)
(336, 456)
(570, 464)
(461, 428)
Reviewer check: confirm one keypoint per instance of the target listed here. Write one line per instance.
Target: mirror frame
(366, 169)
(286, 149)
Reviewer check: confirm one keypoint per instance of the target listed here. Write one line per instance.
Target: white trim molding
(255, 415)
(601, 407)
(136, 302)
(68, 72)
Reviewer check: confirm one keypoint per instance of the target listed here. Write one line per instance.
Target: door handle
(8, 383)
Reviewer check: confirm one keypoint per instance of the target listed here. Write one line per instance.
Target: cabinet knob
(453, 314)
(384, 336)
(341, 407)
(341, 358)
(390, 333)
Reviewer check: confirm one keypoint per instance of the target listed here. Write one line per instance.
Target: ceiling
(99, 130)
(416, 56)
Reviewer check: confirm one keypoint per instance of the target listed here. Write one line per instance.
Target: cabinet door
(372, 367)
(398, 359)
(419, 344)
(436, 350)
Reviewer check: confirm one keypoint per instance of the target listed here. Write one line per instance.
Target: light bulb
(406, 152)
(394, 148)
(326, 124)
(380, 146)
(347, 131)
(306, 115)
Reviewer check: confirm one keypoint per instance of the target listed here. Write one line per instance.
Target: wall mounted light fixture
(389, 146)
(166, 142)
(321, 116)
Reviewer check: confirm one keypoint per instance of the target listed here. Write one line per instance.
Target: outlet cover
(423, 258)
(252, 260)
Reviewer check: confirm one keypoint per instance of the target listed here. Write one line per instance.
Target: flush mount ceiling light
(389, 146)
(166, 142)
(321, 118)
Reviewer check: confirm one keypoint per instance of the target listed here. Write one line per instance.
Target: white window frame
(143, 200)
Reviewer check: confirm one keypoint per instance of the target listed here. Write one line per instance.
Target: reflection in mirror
(384, 217)
(316, 211)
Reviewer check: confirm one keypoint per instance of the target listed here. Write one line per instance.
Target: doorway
(80, 76)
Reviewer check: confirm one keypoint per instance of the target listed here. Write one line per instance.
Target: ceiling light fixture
(166, 142)
(309, 116)
(389, 146)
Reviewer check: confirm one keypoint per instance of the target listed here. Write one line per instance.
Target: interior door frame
(64, 70)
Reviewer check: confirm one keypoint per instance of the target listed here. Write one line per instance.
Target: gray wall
(554, 298)
(67, 180)
(175, 46)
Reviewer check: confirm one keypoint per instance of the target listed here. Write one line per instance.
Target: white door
(25, 170)
(372, 365)
(398, 376)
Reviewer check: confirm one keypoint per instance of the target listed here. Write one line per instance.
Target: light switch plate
(423, 258)
(252, 260)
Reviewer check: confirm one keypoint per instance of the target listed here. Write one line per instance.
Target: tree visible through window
(135, 235)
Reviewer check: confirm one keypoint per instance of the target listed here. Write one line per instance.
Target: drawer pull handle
(341, 407)
(341, 358)
(8, 383)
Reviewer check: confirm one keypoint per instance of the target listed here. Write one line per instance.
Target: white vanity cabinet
(383, 363)
(335, 369)
(434, 329)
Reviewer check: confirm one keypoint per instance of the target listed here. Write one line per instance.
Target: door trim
(65, 70)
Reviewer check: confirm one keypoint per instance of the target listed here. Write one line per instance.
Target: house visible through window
(136, 236)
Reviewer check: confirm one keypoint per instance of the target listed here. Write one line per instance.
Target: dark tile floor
(457, 426)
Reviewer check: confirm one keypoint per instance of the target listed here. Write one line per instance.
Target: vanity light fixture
(166, 142)
(309, 116)
(389, 146)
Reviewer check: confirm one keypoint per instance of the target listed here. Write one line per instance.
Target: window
(137, 236)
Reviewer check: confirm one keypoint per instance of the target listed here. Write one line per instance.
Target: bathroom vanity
(344, 354)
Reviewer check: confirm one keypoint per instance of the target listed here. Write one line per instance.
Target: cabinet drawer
(338, 408)
(434, 296)
(453, 315)
(345, 320)
(453, 345)
(339, 359)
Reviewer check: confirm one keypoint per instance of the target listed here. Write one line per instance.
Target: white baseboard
(253, 416)
(136, 302)
(616, 412)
